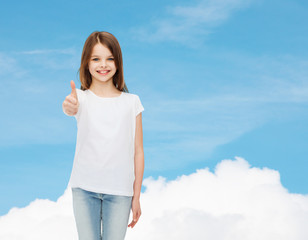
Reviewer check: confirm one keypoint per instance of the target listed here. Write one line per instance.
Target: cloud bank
(234, 202)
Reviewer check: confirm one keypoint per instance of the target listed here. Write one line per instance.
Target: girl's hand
(70, 104)
(136, 212)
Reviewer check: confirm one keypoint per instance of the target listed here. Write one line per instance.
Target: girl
(108, 165)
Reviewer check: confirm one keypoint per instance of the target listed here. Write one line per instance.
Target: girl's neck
(104, 89)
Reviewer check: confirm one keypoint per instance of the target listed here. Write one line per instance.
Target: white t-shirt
(105, 146)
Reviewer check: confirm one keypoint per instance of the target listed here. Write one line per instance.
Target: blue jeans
(100, 216)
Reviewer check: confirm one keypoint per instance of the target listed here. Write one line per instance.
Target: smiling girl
(108, 166)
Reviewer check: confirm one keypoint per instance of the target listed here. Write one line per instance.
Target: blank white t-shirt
(105, 146)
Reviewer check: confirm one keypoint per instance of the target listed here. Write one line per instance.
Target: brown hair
(109, 41)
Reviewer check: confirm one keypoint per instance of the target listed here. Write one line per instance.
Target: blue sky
(217, 79)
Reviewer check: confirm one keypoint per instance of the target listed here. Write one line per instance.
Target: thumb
(74, 92)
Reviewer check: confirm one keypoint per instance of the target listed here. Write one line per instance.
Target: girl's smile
(103, 72)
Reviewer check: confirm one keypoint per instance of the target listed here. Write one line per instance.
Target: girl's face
(102, 65)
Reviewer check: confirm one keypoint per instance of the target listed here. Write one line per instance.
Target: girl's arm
(139, 168)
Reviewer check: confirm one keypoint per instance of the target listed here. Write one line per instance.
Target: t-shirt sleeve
(80, 96)
(138, 106)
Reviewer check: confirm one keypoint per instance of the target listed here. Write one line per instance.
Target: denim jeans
(100, 216)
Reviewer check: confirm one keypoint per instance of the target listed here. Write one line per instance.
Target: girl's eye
(95, 59)
(111, 59)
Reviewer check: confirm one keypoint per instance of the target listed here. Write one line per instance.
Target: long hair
(109, 41)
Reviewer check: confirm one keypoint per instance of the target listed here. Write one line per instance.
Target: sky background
(217, 79)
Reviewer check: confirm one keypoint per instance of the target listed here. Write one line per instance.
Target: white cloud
(235, 202)
(50, 59)
(209, 11)
(69, 51)
(8, 66)
(41, 219)
(184, 23)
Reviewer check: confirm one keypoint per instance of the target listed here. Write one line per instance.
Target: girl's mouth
(105, 72)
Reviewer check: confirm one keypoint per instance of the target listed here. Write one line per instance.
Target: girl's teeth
(103, 72)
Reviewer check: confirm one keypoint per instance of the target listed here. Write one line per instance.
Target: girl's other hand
(136, 212)
(70, 104)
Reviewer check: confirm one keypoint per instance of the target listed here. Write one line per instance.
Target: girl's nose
(103, 63)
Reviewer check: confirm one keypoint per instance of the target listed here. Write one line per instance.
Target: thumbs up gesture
(70, 104)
